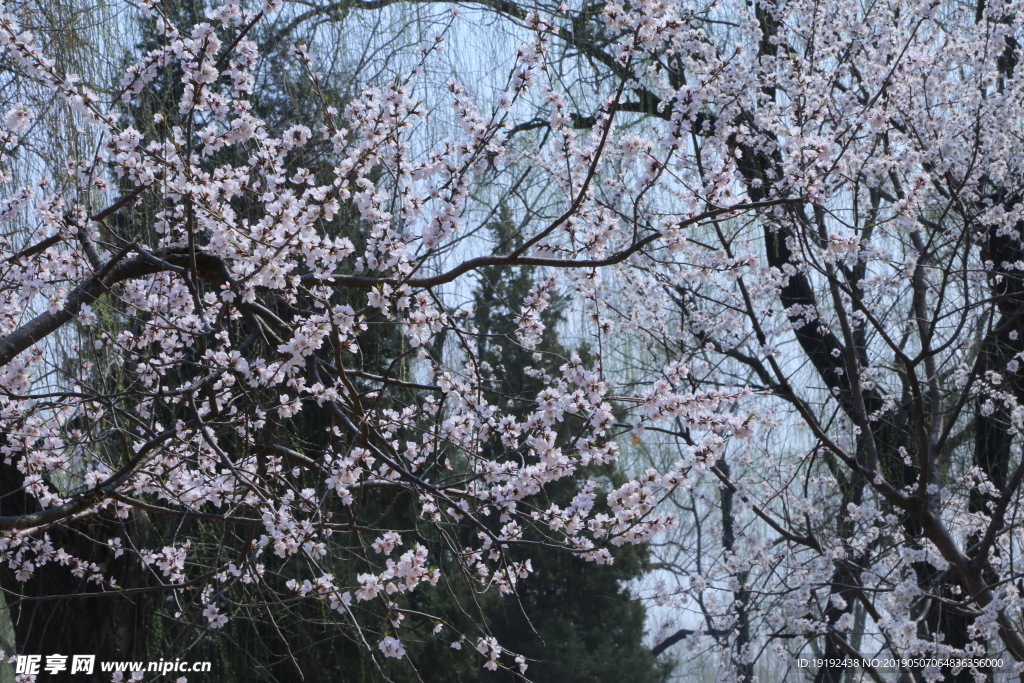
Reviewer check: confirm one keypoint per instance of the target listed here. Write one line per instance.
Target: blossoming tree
(810, 227)
(230, 326)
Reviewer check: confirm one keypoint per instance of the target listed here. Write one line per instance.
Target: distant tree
(576, 621)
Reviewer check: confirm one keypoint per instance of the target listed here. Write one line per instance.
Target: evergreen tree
(575, 620)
